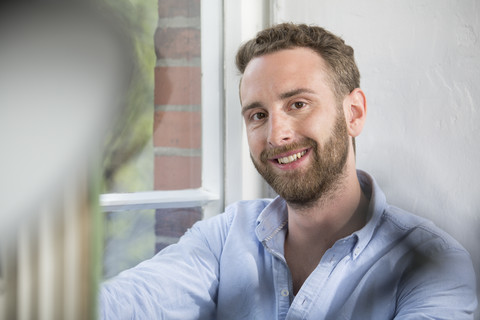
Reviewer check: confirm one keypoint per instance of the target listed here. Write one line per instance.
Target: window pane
(128, 155)
(134, 236)
(177, 127)
(171, 224)
(129, 239)
(157, 143)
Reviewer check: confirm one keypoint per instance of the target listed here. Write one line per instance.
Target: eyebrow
(282, 96)
(251, 106)
(294, 92)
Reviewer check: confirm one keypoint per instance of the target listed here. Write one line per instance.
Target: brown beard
(306, 187)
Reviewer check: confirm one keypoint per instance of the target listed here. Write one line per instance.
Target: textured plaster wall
(420, 67)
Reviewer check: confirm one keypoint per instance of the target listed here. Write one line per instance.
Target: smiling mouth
(291, 158)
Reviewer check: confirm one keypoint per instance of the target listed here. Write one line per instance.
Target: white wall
(420, 67)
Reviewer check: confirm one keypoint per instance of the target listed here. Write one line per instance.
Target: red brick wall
(177, 125)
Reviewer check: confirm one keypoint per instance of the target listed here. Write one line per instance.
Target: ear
(355, 107)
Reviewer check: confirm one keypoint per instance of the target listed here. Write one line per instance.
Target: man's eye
(298, 105)
(258, 116)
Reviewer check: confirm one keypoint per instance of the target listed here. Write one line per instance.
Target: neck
(314, 229)
(321, 224)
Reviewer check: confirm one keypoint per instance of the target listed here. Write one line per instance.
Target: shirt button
(284, 292)
(356, 251)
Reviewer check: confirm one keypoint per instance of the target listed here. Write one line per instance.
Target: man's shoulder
(238, 218)
(436, 270)
(419, 231)
(394, 223)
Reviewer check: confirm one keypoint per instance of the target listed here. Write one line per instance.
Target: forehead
(284, 70)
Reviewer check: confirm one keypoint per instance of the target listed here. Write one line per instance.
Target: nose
(280, 130)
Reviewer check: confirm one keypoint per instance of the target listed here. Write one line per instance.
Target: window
(201, 158)
(183, 157)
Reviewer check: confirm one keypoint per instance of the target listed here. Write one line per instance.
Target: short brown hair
(344, 74)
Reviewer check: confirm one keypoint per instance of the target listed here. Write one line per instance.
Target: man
(329, 247)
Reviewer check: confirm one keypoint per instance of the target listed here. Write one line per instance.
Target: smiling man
(329, 247)
(299, 136)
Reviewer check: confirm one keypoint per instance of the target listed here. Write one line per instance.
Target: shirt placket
(281, 274)
(282, 285)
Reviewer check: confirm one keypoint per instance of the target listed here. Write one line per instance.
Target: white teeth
(291, 158)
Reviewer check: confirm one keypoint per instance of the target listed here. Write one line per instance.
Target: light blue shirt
(399, 266)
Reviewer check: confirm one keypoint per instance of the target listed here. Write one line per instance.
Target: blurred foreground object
(64, 73)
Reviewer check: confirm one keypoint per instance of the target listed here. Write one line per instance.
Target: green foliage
(130, 138)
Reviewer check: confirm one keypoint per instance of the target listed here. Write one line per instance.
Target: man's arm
(178, 283)
(438, 286)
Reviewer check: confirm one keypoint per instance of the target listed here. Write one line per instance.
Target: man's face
(296, 128)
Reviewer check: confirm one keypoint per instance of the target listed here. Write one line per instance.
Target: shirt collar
(272, 223)
(271, 218)
(376, 208)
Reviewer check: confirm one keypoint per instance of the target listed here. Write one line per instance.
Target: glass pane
(128, 151)
(157, 142)
(129, 239)
(134, 236)
(177, 127)
(171, 224)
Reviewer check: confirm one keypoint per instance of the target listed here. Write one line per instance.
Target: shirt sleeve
(438, 285)
(180, 282)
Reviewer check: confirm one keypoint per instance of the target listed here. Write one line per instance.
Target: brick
(175, 222)
(177, 43)
(177, 129)
(176, 173)
(178, 8)
(177, 86)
